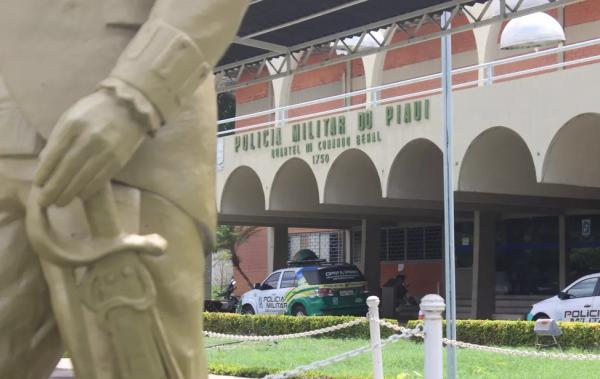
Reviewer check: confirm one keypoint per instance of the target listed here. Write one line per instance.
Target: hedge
(482, 332)
(240, 371)
(261, 325)
(520, 333)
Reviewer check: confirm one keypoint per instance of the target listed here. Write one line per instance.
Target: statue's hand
(90, 143)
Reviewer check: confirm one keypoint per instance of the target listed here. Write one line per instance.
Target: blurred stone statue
(107, 149)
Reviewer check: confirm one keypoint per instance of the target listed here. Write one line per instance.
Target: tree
(221, 266)
(230, 237)
(226, 109)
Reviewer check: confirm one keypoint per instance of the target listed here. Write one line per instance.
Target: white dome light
(534, 30)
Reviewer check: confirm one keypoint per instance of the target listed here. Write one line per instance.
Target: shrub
(520, 333)
(262, 325)
(482, 332)
(259, 372)
(235, 370)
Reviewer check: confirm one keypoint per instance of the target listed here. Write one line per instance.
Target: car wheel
(298, 310)
(540, 316)
(247, 310)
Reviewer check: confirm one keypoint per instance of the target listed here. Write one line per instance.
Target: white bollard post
(374, 331)
(433, 306)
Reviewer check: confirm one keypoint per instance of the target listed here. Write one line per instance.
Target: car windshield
(332, 275)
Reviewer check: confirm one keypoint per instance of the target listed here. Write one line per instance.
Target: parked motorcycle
(227, 302)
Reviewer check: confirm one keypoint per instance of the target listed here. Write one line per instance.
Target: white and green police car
(312, 288)
(580, 301)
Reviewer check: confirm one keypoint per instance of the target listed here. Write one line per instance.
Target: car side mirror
(256, 286)
(563, 295)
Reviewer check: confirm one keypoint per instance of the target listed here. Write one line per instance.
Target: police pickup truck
(310, 289)
(580, 301)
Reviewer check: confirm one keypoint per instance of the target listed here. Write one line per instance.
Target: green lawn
(402, 360)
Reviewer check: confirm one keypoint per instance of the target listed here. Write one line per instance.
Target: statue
(107, 149)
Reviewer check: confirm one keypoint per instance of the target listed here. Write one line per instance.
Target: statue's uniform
(53, 53)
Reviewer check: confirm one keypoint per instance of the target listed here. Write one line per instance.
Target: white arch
(573, 155)
(242, 193)
(416, 172)
(498, 161)
(352, 179)
(294, 187)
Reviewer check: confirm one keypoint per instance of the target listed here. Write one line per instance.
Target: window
(395, 244)
(527, 256)
(583, 246)
(411, 243)
(311, 276)
(356, 246)
(288, 280)
(271, 282)
(336, 247)
(433, 242)
(327, 245)
(392, 244)
(415, 243)
(585, 288)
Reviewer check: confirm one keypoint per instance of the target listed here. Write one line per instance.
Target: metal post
(282, 117)
(447, 117)
(489, 75)
(432, 307)
(375, 98)
(374, 330)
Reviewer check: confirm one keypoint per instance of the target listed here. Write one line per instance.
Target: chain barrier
(310, 333)
(406, 335)
(523, 353)
(416, 332)
(433, 348)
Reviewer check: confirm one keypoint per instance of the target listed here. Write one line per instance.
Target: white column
(363, 247)
(282, 88)
(270, 248)
(432, 307)
(483, 295)
(562, 252)
(277, 245)
(375, 332)
(486, 39)
(370, 255)
(373, 66)
(348, 245)
(348, 82)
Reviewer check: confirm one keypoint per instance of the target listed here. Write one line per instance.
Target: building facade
(363, 172)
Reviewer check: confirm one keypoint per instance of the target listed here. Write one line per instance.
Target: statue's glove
(90, 143)
(164, 64)
(153, 78)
